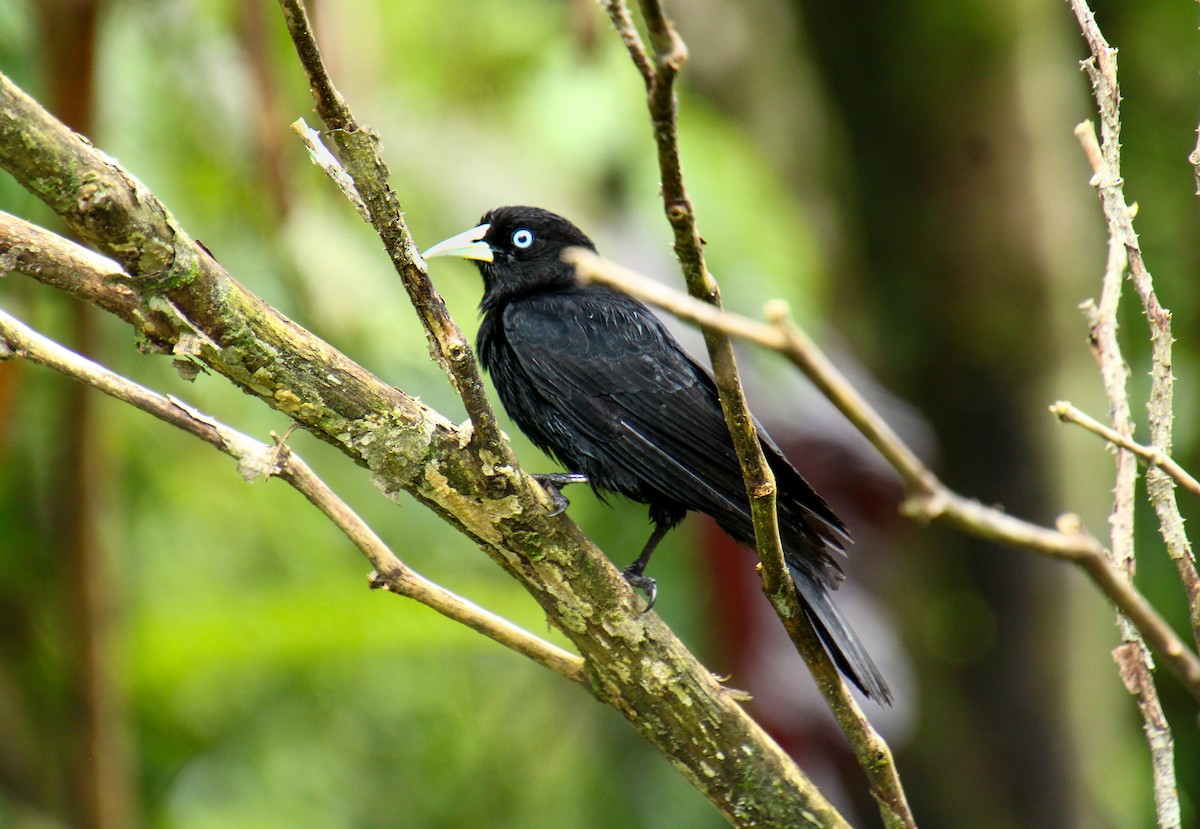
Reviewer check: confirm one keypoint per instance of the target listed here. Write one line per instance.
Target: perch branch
(187, 303)
(659, 76)
(929, 499)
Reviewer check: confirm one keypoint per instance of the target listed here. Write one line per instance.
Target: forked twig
(359, 152)
(928, 498)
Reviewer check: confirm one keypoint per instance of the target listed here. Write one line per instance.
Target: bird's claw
(558, 501)
(644, 583)
(551, 483)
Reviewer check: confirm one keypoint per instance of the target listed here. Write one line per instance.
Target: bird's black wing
(608, 369)
(603, 365)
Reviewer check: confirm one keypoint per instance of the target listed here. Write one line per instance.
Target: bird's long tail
(840, 641)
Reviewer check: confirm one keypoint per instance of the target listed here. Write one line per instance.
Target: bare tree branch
(779, 336)
(928, 498)
(670, 53)
(319, 154)
(1152, 455)
(659, 76)
(1106, 164)
(1134, 664)
(1133, 658)
(257, 460)
(358, 147)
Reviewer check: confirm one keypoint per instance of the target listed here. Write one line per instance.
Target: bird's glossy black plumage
(596, 380)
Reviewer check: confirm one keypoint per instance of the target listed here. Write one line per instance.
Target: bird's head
(518, 250)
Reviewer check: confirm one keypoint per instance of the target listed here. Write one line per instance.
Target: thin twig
(319, 154)
(396, 577)
(928, 498)
(1119, 216)
(778, 336)
(1152, 455)
(659, 75)
(1135, 665)
(1134, 661)
(622, 22)
(1106, 166)
(358, 147)
(256, 459)
(670, 53)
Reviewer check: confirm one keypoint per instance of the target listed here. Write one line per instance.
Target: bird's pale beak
(467, 245)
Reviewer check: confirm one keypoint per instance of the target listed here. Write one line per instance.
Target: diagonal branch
(257, 460)
(779, 336)
(358, 148)
(185, 302)
(659, 74)
(1152, 455)
(929, 498)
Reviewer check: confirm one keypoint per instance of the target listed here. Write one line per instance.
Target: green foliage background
(856, 164)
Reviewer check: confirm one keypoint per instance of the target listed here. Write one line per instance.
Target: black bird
(594, 379)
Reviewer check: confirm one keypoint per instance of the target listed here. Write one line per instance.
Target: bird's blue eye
(522, 238)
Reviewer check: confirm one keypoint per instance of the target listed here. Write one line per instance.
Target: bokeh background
(180, 649)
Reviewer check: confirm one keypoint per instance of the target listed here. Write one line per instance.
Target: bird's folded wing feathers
(653, 414)
(655, 410)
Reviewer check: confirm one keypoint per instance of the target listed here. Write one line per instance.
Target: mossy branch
(179, 300)
(257, 460)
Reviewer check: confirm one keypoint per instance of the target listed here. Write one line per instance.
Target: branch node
(678, 213)
(923, 507)
(281, 454)
(1070, 523)
(777, 312)
(678, 56)
(764, 489)
(320, 155)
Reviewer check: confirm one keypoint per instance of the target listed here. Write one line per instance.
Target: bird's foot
(644, 583)
(558, 501)
(551, 482)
